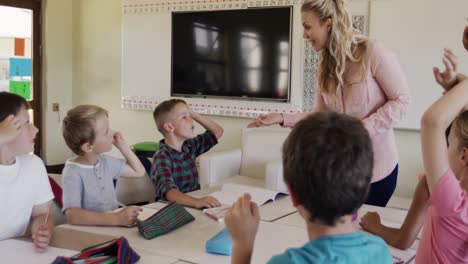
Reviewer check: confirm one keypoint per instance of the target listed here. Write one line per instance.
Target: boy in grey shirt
(88, 179)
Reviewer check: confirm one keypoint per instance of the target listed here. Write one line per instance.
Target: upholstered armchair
(258, 161)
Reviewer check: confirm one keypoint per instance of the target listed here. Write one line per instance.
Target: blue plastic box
(220, 244)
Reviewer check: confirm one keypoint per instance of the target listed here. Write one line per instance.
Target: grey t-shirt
(91, 187)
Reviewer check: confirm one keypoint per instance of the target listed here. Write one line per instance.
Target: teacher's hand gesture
(266, 120)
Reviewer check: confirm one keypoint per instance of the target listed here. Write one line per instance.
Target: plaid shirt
(174, 169)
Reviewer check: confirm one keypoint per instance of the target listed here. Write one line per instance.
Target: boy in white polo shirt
(25, 192)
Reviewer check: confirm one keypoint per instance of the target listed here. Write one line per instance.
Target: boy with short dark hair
(174, 172)
(25, 192)
(327, 161)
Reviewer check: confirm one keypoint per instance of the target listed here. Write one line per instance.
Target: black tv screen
(235, 53)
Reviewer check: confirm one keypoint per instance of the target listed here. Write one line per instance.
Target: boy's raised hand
(448, 78)
(128, 215)
(42, 238)
(242, 221)
(9, 128)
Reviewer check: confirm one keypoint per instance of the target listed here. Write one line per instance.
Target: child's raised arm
(434, 122)
(208, 124)
(133, 166)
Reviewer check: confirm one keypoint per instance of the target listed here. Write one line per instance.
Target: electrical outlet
(55, 107)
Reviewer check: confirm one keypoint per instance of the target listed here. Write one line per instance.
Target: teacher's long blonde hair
(345, 43)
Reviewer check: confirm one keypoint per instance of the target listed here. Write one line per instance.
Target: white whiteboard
(417, 31)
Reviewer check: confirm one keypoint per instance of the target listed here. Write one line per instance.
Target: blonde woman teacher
(357, 76)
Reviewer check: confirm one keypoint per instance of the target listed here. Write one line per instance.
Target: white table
(284, 237)
(188, 242)
(387, 213)
(19, 251)
(79, 237)
(390, 216)
(399, 202)
(270, 211)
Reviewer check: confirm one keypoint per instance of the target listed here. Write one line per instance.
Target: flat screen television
(242, 54)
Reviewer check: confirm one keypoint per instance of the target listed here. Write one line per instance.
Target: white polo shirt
(22, 186)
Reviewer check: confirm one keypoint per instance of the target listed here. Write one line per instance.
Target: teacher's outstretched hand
(266, 120)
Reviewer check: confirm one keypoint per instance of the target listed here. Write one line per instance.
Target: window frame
(36, 56)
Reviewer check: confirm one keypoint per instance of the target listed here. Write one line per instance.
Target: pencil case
(113, 251)
(169, 218)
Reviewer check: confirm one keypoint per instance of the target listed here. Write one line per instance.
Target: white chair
(258, 162)
(56, 210)
(135, 190)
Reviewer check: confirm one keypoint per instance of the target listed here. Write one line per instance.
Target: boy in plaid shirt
(174, 172)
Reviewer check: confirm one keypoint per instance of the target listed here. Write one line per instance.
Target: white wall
(57, 75)
(94, 52)
(96, 73)
(418, 40)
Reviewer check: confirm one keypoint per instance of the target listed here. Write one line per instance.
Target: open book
(402, 256)
(143, 215)
(229, 194)
(146, 213)
(217, 213)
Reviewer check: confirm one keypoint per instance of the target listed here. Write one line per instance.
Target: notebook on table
(229, 194)
(142, 215)
(402, 256)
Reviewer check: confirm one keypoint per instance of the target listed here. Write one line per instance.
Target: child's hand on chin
(119, 141)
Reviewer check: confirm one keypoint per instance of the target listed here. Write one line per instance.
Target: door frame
(36, 56)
